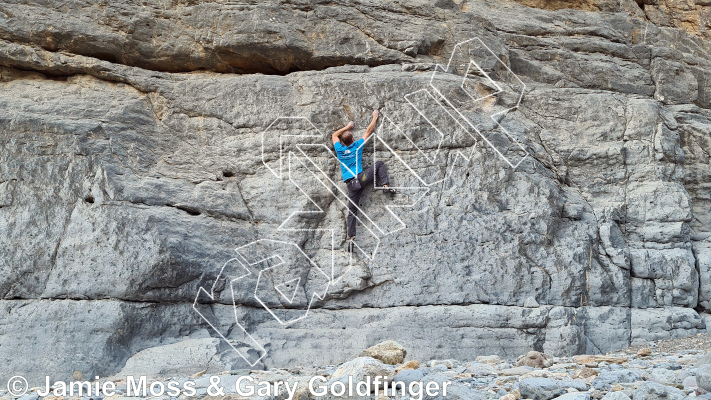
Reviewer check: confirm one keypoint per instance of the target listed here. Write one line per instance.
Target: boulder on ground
(182, 358)
(479, 369)
(584, 373)
(616, 396)
(606, 379)
(644, 352)
(574, 396)
(654, 391)
(515, 371)
(689, 383)
(663, 376)
(535, 359)
(540, 389)
(593, 359)
(362, 367)
(703, 377)
(491, 360)
(512, 395)
(447, 364)
(412, 364)
(389, 352)
(408, 376)
(705, 359)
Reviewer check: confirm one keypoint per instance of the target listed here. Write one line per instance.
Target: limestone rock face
(692, 16)
(140, 145)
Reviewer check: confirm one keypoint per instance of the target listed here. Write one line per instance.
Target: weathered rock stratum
(132, 164)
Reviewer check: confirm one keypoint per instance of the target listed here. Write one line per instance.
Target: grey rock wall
(131, 168)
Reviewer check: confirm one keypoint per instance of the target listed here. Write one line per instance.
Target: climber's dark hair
(347, 138)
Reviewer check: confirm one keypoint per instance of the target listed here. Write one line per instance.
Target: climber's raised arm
(371, 127)
(336, 136)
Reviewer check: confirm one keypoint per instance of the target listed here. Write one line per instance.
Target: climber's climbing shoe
(389, 191)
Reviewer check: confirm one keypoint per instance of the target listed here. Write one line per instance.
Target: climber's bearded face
(347, 138)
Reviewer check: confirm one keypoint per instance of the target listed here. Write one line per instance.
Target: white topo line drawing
(302, 280)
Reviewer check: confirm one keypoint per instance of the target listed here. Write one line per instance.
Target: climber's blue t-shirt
(351, 158)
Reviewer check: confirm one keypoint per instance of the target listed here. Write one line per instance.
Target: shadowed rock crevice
(268, 38)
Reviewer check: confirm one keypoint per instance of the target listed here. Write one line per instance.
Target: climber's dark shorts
(357, 185)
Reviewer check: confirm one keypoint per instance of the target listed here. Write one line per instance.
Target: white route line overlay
(304, 160)
(492, 116)
(232, 280)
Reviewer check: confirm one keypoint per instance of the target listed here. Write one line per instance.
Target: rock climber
(350, 155)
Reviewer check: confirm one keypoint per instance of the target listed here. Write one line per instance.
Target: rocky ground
(673, 369)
